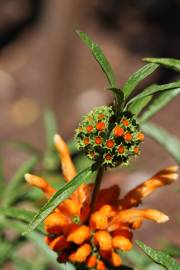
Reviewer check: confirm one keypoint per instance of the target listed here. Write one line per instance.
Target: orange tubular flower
(80, 235)
(97, 236)
(100, 126)
(118, 131)
(127, 137)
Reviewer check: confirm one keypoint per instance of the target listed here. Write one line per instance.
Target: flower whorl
(109, 139)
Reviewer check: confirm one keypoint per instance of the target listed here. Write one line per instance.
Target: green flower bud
(109, 139)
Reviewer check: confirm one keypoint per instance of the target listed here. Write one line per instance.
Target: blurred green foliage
(14, 218)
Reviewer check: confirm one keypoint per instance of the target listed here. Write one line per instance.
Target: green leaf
(26, 193)
(137, 106)
(23, 146)
(62, 194)
(50, 125)
(17, 179)
(137, 77)
(19, 214)
(135, 258)
(154, 266)
(167, 62)
(159, 102)
(155, 89)
(99, 56)
(159, 257)
(32, 195)
(51, 160)
(169, 142)
(172, 250)
(34, 237)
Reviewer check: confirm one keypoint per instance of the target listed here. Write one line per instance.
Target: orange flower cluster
(108, 138)
(79, 236)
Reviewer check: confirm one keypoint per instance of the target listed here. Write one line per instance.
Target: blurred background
(43, 64)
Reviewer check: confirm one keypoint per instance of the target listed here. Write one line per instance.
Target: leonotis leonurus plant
(85, 225)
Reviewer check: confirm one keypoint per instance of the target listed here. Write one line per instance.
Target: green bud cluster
(108, 139)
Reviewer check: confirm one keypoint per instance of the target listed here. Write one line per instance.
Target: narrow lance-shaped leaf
(172, 250)
(17, 180)
(18, 214)
(50, 128)
(36, 238)
(135, 258)
(155, 89)
(137, 106)
(23, 146)
(159, 257)
(62, 194)
(167, 62)
(169, 142)
(137, 77)
(99, 56)
(161, 101)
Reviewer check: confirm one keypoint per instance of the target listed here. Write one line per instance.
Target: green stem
(96, 188)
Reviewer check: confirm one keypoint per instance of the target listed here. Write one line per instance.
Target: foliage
(99, 56)
(58, 197)
(169, 142)
(167, 62)
(143, 106)
(159, 257)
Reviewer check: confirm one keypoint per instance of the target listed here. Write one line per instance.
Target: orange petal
(162, 178)
(59, 243)
(100, 265)
(121, 242)
(48, 239)
(103, 239)
(70, 208)
(68, 168)
(107, 210)
(91, 261)
(137, 223)
(81, 254)
(114, 226)
(79, 235)
(115, 259)
(72, 257)
(131, 215)
(98, 221)
(40, 183)
(56, 222)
